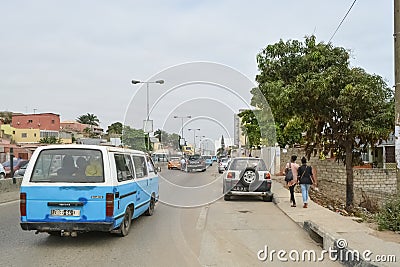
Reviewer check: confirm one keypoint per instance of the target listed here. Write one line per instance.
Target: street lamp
(182, 117)
(147, 127)
(194, 138)
(200, 136)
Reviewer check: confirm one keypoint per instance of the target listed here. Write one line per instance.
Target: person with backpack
(305, 179)
(291, 177)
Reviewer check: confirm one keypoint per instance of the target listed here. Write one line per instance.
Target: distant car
(21, 171)
(247, 176)
(214, 158)
(208, 160)
(174, 163)
(195, 163)
(2, 172)
(17, 163)
(223, 164)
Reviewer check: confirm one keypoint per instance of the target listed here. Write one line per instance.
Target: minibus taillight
(267, 176)
(22, 204)
(230, 175)
(109, 204)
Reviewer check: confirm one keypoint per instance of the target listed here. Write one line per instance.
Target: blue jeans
(304, 192)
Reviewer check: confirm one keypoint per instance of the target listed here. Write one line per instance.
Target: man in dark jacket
(305, 179)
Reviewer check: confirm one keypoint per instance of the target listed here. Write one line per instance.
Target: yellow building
(21, 135)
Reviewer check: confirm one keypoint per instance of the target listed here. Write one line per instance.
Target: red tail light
(230, 175)
(267, 176)
(22, 204)
(109, 204)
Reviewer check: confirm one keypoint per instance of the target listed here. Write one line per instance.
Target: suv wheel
(227, 197)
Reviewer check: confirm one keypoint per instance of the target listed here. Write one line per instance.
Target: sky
(76, 57)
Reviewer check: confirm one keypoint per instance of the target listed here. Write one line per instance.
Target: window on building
(34, 135)
(30, 121)
(24, 135)
(52, 121)
(13, 132)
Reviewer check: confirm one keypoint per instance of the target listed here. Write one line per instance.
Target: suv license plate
(65, 212)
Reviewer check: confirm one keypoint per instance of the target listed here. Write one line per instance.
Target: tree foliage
(134, 138)
(6, 117)
(312, 88)
(115, 128)
(89, 119)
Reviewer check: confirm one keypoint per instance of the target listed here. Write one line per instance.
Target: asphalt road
(215, 233)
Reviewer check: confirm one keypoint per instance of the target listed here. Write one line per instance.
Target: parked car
(208, 160)
(195, 163)
(247, 176)
(214, 158)
(21, 171)
(174, 163)
(2, 172)
(17, 163)
(223, 164)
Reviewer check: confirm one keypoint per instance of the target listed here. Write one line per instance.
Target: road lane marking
(201, 221)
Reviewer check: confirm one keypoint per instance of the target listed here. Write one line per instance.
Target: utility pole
(396, 36)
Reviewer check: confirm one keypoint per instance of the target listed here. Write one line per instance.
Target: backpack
(288, 173)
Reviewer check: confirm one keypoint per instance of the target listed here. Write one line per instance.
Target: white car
(223, 164)
(2, 172)
(247, 177)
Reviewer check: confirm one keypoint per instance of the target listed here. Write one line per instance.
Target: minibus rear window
(69, 166)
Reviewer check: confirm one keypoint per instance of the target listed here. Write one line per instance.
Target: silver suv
(247, 176)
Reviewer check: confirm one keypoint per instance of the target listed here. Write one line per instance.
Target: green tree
(89, 119)
(250, 128)
(134, 138)
(50, 140)
(115, 128)
(6, 117)
(336, 103)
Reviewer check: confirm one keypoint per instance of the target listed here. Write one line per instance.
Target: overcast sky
(76, 57)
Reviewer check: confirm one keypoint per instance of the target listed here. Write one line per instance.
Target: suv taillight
(267, 176)
(22, 204)
(230, 175)
(110, 204)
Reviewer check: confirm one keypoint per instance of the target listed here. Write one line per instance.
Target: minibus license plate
(65, 212)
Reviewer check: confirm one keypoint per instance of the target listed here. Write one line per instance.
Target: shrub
(388, 217)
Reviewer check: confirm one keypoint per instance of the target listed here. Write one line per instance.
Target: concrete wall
(375, 183)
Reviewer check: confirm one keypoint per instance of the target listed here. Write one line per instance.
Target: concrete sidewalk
(326, 227)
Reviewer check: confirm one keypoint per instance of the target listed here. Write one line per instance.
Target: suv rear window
(241, 164)
(69, 166)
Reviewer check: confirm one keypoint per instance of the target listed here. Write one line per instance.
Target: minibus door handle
(116, 194)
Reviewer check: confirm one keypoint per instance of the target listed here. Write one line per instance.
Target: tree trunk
(349, 176)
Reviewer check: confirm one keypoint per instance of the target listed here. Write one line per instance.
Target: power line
(340, 24)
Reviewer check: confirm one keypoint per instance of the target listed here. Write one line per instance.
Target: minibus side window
(150, 165)
(140, 166)
(124, 167)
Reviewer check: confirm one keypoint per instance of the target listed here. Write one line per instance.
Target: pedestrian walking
(293, 167)
(305, 179)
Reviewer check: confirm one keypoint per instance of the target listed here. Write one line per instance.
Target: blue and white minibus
(68, 189)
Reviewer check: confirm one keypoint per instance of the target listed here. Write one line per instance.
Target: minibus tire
(150, 210)
(126, 223)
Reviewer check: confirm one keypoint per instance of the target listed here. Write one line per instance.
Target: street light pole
(194, 138)
(146, 126)
(182, 117)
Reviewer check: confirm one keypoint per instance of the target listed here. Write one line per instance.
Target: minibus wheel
(150, 210)
(126, 223)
